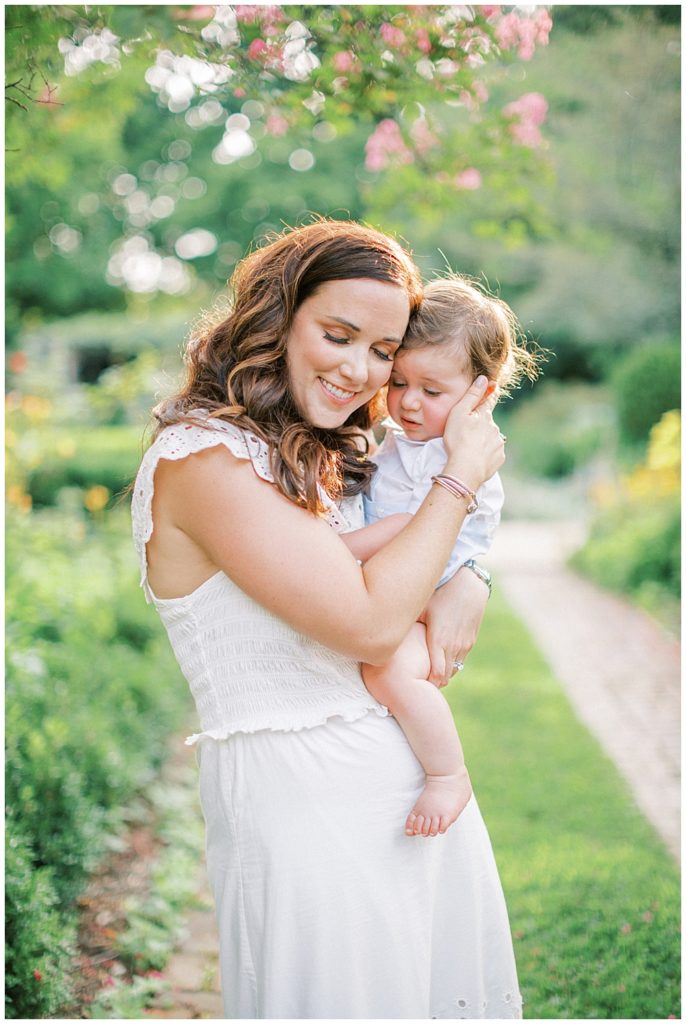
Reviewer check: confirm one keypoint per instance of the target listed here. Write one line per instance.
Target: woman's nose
(355, 366)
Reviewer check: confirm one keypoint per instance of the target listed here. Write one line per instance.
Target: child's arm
(365, 542)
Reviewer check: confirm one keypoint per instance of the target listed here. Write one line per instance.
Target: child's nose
(410, 399)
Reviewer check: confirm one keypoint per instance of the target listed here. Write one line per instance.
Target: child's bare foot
(440, 803)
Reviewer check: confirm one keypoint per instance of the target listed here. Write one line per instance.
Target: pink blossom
(422, 136)
(109, 981)
(490, 10)
(246, 12)
(257, 48)
(276, 124)
(469, 178)
(267, 13)
(472, 100)
(386, 146)
(391, 35)
(532, 106)
(423, 41)
(507, 32)
(344, 60)
(530, 111)
(527, 39)
(526, 134)
(37, 975)
(523, 33)
(199, 12)
(480, 91)
(239, 93)
(543, 23)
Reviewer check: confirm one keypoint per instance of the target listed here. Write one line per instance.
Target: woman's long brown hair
(236, 363)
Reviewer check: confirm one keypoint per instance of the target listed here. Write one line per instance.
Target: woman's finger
(474, 396)
(438, 673)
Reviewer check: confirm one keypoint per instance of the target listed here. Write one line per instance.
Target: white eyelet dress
(326, 908)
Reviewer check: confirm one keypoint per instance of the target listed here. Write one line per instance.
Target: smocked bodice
(247, 669)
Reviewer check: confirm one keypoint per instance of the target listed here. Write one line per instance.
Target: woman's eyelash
(385, 356)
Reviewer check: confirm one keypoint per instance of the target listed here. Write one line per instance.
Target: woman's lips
(340, 395)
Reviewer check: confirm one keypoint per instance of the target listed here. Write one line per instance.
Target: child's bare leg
(424, 716)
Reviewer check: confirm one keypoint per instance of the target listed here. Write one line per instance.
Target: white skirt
(326, 908)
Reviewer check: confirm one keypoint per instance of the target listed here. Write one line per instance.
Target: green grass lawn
(593, 895)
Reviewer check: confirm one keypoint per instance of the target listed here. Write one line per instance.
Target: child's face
(425, 384)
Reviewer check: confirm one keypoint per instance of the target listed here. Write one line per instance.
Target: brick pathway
(193, 972)
(619, 669)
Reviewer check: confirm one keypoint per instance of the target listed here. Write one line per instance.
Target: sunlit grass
(593, 895)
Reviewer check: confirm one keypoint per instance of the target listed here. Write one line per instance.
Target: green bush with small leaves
(637, 554)
(647, 383)
(92, 695)
(39, 937)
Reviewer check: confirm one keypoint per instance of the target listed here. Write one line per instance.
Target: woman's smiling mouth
(338, 394)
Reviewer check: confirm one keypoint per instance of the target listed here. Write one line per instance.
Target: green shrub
(104, 456)
(92, 694)
(647, 383)
(558, 429)
(639, 548)
(39, 940)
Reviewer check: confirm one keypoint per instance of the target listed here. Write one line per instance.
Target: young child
(459, 332)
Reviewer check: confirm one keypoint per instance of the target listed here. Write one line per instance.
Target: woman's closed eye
(386, 357)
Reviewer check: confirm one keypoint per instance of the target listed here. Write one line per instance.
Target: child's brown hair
(458, 310)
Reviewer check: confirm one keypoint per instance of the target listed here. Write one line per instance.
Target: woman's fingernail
(481, 381)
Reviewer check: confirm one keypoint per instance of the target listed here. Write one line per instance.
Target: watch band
(479, 571)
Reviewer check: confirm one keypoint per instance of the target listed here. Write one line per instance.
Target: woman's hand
(474, 444)
(453, 618)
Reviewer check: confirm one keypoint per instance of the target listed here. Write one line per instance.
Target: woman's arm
(366, 541)
(453, 618)
(218, 513)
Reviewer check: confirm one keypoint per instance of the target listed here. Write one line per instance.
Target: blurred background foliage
(149, 147)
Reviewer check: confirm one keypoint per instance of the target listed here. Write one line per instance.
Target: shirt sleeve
(476, 536)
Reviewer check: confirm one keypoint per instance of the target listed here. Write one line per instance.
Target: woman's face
(341, 345)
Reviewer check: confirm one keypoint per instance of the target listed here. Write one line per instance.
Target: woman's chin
(330, 418)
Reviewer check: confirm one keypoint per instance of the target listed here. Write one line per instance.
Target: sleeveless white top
(246, 668)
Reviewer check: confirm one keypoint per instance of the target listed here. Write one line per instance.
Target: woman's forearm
(401, 577)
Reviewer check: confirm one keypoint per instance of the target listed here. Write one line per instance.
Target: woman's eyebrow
(353, 327)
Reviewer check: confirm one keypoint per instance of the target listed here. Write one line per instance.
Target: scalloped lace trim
(351, 715)
(183, 439)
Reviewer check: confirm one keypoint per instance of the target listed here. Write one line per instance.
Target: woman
(326, 909)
